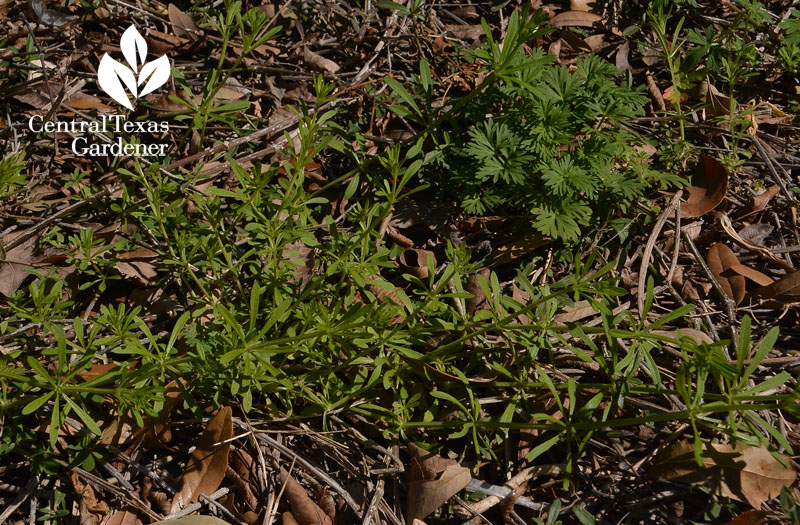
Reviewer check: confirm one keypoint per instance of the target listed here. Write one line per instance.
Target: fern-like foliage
(551, 142)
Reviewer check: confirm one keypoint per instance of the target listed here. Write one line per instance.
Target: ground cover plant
(491, 262)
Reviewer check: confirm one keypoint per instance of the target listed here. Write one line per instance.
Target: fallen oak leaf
(182, 24)
(206, 469)
(786, 289)
(13, 267)
(319, 62)
(751, 517)
(304, 510)
(574, 19)
(424, 497)
(721, 258)
(744, 473)
(709, 185)
(194, 520)
(426, 493)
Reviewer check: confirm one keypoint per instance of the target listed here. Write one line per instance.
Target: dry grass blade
(744, 473)
(209, 462)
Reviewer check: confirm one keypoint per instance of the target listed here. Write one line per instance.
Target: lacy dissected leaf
(744, 473)
(206, 468)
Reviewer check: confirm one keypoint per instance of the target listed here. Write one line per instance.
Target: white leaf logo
(113, 77)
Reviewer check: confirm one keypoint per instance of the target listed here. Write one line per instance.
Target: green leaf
(88, 421)
(36, 404)
(394, 6)
(401, 92)
(761, 352)
(583, 515)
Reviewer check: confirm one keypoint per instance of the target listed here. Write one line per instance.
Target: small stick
(648, 250)
(768, 161)
(313, 470)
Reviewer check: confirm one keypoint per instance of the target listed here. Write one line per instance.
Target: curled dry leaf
(426, 493)
(91, 510)
(785, 290)
(574, 19)
(731, 274)
(304, 510)
(744, 473)
(709, 185)
(319, 62)
(206, 469)
(761, 200)
(720, 259)
(517, 247)
(716, 103)
(697, 335)
(415, 262)
(478, 297)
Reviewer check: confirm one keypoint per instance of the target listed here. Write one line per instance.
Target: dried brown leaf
(697, 335)
(182, 24)
(751, 517)
(91, 510)
(720, 259)
(424, 497)
(517, 247)
(206, 469)
(125, 516)
(194, 520)
(415, 262)
(14, 266)
(304, 510)
(786, 290)
(574, 19)
(288, 519)
(319, 62)
(137, 267)
(760, 201)
(709, 184)
(744, 473)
